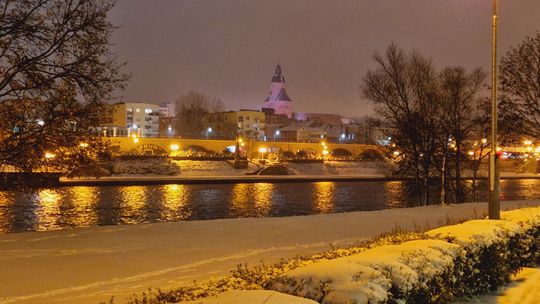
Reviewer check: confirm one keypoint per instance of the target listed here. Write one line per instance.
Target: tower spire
(278, 77)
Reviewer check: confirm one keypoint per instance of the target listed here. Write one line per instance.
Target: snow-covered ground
(88, 265)
(210, 168)
(253, 297)
(336, 168)
(221, 168)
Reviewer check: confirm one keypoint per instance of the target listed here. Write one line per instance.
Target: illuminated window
(147, 111)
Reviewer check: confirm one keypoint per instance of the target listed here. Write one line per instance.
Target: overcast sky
(229, 48)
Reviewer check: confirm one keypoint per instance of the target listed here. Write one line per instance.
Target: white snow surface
(89, 265)
(210, 168)
(346, 168)
(479, 232)
(253, 297)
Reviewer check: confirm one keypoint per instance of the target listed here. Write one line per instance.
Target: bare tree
(520, 84)
(404, 90)
(479, 134)
(193, 111)
(55, 71)
(459, 91)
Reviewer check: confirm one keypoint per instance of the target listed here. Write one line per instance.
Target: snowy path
(89, 265)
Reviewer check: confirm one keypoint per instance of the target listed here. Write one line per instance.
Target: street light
(49, 155)
(494, 182)
(208, 130)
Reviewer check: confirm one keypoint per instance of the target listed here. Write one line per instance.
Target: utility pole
(494, 180)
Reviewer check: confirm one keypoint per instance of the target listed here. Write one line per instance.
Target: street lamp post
(494, 184)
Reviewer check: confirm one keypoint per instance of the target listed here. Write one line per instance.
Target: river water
(68, 207)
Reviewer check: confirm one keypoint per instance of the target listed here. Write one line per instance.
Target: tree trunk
(443, 175)
(459, 188)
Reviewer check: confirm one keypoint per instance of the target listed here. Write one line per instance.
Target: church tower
(278, 98)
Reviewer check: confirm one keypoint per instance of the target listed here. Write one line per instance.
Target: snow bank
(335, 168)
(210, 168)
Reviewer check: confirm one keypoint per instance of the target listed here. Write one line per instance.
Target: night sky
(229, 48)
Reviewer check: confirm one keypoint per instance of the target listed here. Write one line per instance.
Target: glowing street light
(175, 147)
(263, 150)
(276, 134)
(83, 145)
(49, 155)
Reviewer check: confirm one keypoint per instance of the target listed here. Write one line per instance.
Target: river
(81, 206)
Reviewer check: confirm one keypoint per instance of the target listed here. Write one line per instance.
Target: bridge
(168, 146)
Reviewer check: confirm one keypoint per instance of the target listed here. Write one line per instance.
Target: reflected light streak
(175, 199)
(394, 192)
(84, 206)
(49, 203)
(133, 199)
(240, 196)
(323, 196)
(263, 197)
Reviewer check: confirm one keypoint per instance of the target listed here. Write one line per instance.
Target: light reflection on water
(49, 201)
(323, 197)
(67, 207)
(175, 202)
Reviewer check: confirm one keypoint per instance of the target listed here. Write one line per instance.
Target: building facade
(249, 123)
(129, 119)
(167, 109)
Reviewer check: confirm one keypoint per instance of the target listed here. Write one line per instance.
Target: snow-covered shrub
(529, 220)
(495, 250)
(459, 260)
(386, 274)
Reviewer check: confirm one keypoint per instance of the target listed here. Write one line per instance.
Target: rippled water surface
(66, 207)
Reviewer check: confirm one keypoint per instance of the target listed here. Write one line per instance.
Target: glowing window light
(49, 155)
